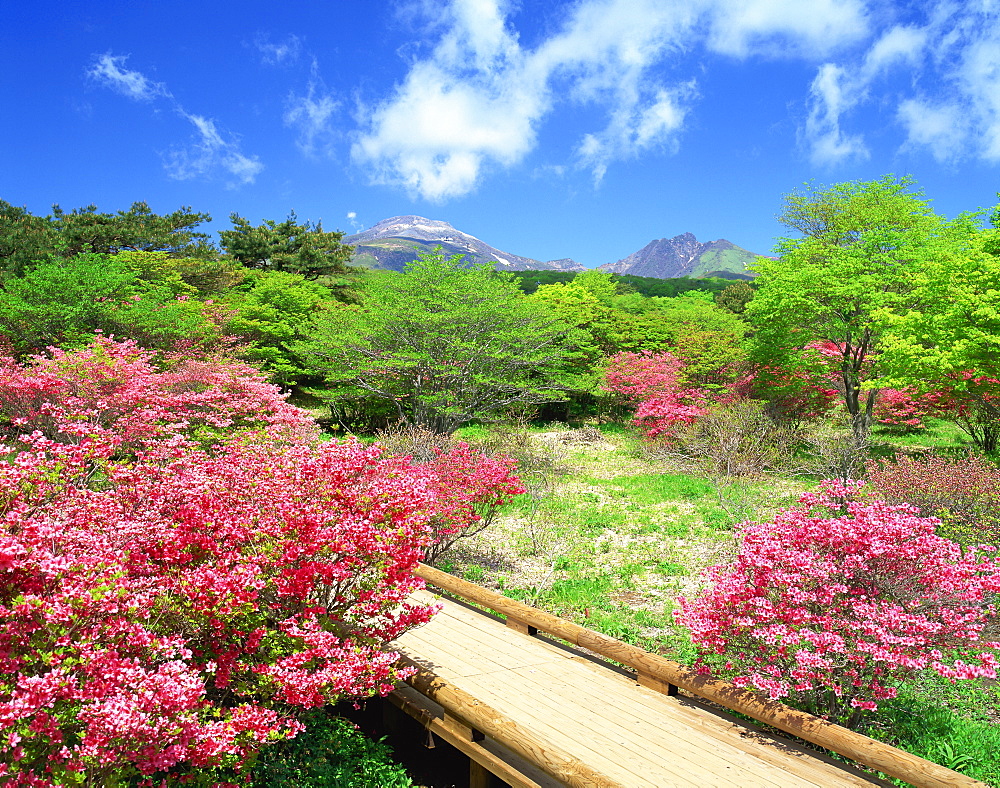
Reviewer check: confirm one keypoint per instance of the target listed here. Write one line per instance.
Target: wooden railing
(664, 675)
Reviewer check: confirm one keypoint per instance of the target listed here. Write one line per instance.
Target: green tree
(862, 243)
(270, 313)
(288, 246)
(441, 344)
(951, 340)
(735, 297)
(708, 339)
(26, 239)
(64, 302)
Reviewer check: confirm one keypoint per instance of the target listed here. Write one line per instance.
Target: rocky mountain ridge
(683, 255)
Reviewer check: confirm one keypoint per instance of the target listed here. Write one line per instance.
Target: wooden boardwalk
(635, 736)
(538, 713)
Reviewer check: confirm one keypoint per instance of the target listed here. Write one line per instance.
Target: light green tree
(441, 344)
(862, 244)
(950, 340)
(270, 312)
(64, 302)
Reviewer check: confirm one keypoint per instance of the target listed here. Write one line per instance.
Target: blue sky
(548, 129)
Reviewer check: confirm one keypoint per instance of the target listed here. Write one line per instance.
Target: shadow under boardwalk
(634, 736)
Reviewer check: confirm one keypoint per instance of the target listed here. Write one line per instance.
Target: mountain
(684, 255)
(392, 243)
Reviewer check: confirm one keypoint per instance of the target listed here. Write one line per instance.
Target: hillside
(392, 243)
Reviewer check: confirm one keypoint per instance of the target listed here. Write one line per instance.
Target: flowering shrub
(652, 383)
(470, 485)
(904, 410)
(468, 488)
(170, 615)
(838, 600)
(112, 388)
(964, 493)
(166, 604)
(794, 393)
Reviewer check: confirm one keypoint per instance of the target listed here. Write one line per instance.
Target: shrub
(652, 383)
(468, 486)
(113, 389)
(330, 753)
(838, 601)
(734, 440)
(964, 493)
(173, 614)
(903, 410)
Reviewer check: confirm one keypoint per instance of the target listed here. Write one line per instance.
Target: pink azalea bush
(167, 603)
(113, 388)
(651, 382)
(839, 600)
(468, 487)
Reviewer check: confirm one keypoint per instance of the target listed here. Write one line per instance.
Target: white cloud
(476, 102)
(942, 128)
(210, 153)
(475, 96)
(789, 27)
(831, 94)
(978, 79)
(109, 70)
(212, 150)
(901, 45)
(312, 115)
(950, 104)
(637, 125)
(278, 53)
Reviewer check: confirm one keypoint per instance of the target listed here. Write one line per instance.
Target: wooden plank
(863, 749)
(606, 694)
(616, 751)
(661, 718)
(617, 691)
(570, 770)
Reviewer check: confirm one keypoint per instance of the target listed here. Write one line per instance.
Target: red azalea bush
(905, 410)
(792, 395)
(652, 383)
(963, 492)
(839, 600)
(468, 487)
(166, 605)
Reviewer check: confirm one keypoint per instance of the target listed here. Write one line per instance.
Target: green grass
(939, 436)
(922, 722)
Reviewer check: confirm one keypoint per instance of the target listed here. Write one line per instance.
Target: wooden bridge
(537, 713)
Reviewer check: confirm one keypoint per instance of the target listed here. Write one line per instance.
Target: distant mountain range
(392, 243)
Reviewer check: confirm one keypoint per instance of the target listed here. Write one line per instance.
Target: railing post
(479, 775)
(520, 626)
(654, 683)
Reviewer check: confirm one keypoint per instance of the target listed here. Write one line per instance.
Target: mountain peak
(682, 255)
